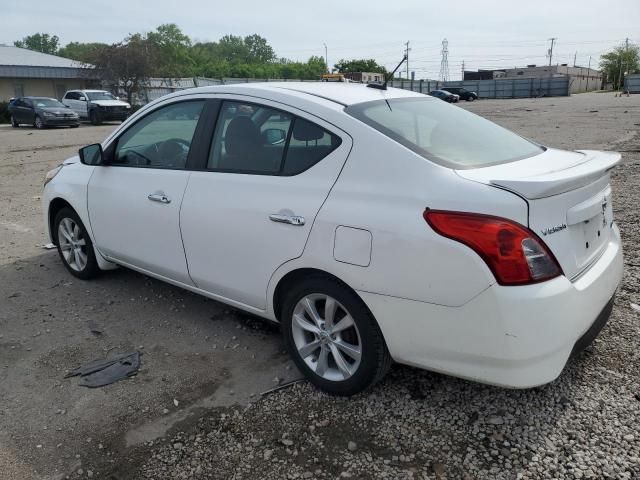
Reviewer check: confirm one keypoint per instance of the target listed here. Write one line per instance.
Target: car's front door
(82, 105)
(134, 202)
(252, 208)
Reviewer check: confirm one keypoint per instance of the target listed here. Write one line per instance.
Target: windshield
(444, 133)
(100, 96)
(47, 103)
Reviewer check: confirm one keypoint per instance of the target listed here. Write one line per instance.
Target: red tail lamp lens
(515, 254)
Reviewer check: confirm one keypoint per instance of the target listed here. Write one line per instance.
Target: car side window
(161, 139)
(308, 144)
(71, 96)
(256, 139)
(249, 138)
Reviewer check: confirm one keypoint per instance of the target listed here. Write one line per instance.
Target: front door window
(161, 139)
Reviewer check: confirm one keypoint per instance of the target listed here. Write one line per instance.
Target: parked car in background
(444, 95)
(360, 220)
(96, 106)
(41, 112)
(463, 93)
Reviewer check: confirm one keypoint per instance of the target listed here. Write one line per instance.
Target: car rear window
(444, 133)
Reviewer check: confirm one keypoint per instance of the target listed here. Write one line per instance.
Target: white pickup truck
(96, 105)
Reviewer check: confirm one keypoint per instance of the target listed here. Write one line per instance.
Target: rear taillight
(515, 254)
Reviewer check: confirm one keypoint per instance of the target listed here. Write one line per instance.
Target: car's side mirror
(91, 155)
(82, 99)
(274, 136)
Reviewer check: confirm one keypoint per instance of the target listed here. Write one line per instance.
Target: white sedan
(360, 220)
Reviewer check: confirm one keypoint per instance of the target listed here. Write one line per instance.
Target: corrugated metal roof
(21, 57)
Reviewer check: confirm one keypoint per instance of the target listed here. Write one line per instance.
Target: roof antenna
(383, 86)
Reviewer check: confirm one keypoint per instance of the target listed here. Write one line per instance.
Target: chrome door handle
(290, 219)
(159, 197)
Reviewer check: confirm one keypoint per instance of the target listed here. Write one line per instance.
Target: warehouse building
(581, 79)
(25, 72)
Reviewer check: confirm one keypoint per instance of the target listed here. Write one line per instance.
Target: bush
(4, 112)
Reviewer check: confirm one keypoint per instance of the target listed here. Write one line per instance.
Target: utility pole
(462, 69)
(326, 58)
(553, 39)
(626, 52)
(588, 74)
(406, 54)
(574, 58)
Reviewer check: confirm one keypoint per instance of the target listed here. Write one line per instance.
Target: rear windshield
(444, 133)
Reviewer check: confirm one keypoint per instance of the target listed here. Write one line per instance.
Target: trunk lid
(569, 199)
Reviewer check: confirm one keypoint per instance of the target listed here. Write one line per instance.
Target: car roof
(342, 93)
(38, 97)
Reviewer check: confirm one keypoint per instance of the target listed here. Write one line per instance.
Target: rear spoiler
(540, 185)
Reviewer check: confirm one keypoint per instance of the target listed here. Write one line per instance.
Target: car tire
(74, 126)
(94, 117)
(470, 98)
(14, 123)
(341, 357)
(74, 245)
(38, 123)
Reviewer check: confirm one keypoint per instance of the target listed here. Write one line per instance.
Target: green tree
(128, 64)
(258, 49)
(359, 65)
(40, 42)
(232, 49)
(174, 49)
(81, 52)
(619, 62)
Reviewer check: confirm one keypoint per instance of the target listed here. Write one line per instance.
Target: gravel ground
(216, 361)
(419, 424)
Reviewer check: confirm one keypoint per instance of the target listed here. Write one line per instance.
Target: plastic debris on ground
(105, 372)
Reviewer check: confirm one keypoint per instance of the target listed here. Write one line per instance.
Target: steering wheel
(173, 152)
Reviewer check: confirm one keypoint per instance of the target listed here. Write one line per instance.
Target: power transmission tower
(550, 51)
(444, 64)
(406, 54)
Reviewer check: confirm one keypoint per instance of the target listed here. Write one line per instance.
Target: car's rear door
(22, 111)
(134, 203)
(251, 208)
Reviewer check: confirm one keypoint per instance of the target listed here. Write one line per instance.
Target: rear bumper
(516, 337)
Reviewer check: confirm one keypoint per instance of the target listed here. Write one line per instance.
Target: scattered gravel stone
(352, 446)
(495, 420)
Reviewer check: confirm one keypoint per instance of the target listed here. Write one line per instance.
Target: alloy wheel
(72, 243)
(326, 337)
(39, 123)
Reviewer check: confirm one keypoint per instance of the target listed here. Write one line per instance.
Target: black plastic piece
(105, 372)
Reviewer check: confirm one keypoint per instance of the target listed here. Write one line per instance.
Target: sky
(480, 33)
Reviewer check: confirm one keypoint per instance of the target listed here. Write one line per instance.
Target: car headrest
(242, 136)
(306, 131)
